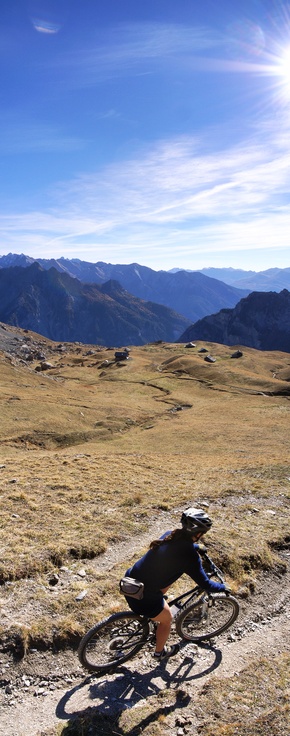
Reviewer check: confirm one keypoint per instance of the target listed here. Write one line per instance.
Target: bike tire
(207, 618)
(113, 641)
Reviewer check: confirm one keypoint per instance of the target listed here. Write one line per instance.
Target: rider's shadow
(110, 695)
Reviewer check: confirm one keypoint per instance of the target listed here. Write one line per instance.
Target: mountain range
(62, 308)
(191, 294)
(261, 321)
(64, 302)
(273, 279)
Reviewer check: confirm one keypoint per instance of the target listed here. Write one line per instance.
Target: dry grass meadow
(94, 452)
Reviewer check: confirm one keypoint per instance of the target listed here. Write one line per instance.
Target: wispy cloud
(137, 48)
(180, 197)
(140, 48)
(178, 180)
(44, 27)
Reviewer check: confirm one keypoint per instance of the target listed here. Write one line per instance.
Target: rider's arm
(196, 572)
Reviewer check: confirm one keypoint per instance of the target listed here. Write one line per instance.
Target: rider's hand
(202, 549)
(227, 589)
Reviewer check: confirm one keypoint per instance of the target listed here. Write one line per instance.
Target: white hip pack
(132, 588)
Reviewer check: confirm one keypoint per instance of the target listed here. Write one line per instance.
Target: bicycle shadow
(110, 695)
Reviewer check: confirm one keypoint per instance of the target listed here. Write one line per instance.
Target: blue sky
(155, 132)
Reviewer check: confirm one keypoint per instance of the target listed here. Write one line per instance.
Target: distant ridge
(261, 321)
(273, 279)
(193, 295)
(61, 308)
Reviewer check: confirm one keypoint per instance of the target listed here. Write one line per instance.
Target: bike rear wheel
(207, 618)
(112, 641)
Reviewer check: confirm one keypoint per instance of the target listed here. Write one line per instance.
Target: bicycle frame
(189, 595)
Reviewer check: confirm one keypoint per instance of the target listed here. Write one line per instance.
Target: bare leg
(164, 620)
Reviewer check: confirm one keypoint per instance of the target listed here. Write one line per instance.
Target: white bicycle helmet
(196, 521)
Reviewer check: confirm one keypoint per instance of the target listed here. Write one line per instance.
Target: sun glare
(285, 65)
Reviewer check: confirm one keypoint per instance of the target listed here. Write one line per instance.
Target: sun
(285, 65)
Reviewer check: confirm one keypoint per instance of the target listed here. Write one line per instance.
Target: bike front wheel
(114, 640)
(207, 618)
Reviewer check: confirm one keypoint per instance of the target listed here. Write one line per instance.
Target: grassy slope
(91, 453)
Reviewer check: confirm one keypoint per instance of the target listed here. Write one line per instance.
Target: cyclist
(175, 553)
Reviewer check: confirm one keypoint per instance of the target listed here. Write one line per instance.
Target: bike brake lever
(227, 589)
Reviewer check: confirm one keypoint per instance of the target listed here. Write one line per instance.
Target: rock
(210, 359)
(203, 350)
(24, 349)
(243, 592)
(81, 595)
(190, 345)
(54, 579)
(82, 573)
(237, 354)
(45, 366)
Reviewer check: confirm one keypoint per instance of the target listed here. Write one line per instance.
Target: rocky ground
(44, 689)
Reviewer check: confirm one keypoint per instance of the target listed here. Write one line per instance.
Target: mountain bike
(198, 617)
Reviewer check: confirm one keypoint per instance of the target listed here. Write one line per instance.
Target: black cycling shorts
(151, 604)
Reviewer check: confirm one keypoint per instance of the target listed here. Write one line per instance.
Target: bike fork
(206, 605)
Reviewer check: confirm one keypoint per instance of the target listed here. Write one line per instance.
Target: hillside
(62, 308)
(261, 321)
(191, 294)
(97, 459)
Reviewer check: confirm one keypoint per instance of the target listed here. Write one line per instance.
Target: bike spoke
(208, 618)
(114, 641)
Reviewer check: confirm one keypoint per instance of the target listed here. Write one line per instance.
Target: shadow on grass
(94, 707)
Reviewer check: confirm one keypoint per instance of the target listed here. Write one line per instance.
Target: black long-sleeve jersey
(163, 565)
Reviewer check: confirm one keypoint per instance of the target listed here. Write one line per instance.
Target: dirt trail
(38, 707)
(45, 690)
